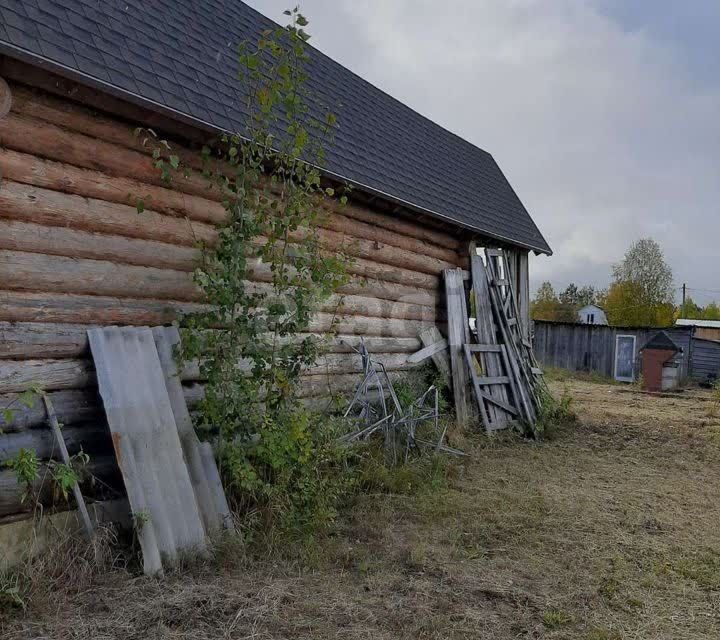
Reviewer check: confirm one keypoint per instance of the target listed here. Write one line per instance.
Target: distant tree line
(641, 294)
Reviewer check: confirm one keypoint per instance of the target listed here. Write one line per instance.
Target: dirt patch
(611, 530)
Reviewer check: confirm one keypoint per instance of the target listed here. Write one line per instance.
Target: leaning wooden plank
(510, 409)
(79, 500)
(486, 381)
(486, 334)
(479, 396)
(458, 335)
(431, 336)
(484, 348)
(132, 386)
(428, 352)
(167, 339)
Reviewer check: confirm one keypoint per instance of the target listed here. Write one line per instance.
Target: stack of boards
(496, 363)
(171, 478)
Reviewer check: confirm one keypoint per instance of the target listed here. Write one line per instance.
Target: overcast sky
(603, 114)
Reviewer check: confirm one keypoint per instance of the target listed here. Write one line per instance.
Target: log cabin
(77, 78)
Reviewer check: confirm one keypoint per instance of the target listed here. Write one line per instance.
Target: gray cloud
(603, 132)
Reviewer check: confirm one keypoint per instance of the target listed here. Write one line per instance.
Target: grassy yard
(611, 530)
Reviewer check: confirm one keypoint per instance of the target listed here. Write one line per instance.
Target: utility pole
(684, 295)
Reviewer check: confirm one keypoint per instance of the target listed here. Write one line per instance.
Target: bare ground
(609, 531)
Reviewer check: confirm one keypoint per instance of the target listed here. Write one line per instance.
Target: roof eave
(74, 75)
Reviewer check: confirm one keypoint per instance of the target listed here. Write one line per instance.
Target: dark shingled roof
(180, 56)
(663, 342)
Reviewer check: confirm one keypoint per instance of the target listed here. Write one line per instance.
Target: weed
(702, 567)
(373, 475)
(26, 466)
(601, 633)
(554, 619)
(10, 593)
(612, 581)
(555, 374)
(554, 415)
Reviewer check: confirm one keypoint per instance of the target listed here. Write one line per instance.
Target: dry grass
(609, 531)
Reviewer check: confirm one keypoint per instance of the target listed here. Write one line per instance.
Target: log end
(5, 98)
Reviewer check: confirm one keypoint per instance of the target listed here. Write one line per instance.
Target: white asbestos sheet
(203, 470)
(147, 444)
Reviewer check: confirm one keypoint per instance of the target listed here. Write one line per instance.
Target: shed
(75, 253)
(704, 329)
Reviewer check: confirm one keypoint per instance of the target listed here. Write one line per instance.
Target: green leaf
(302, 20)
(8, 415)
(27, 398)
(174, 161)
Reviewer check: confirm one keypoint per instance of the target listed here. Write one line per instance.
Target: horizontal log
(365, 326)
(25, 306)
(56, 274)
(31, 170)
(80, 119)
(359, 229)
(49, 375)
(91, 438)
(38, 272)
(22, 306)
(401, 226)
(57, 176)
(44, 207)
(389, 273)
(374, 344)
(31, 135)
(61, 241)
(377, 252)
(364, 306)
(11, 493)
(72, 243)
(331, 363)
(72, 406)
(53, 208)
(311, 386)
(340, 363)
(114, 510)
(38, 340)
(29, 340)
(76, 117)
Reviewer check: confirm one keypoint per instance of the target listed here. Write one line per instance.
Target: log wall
(75, 253)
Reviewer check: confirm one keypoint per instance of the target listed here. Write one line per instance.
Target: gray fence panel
(705, 359)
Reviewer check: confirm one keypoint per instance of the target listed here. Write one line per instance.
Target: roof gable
(180, 56)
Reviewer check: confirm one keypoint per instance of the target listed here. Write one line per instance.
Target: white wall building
(592, 314)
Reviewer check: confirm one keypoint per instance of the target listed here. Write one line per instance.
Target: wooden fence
(585, 347)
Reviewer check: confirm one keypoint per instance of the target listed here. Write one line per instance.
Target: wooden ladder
(523, 366)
